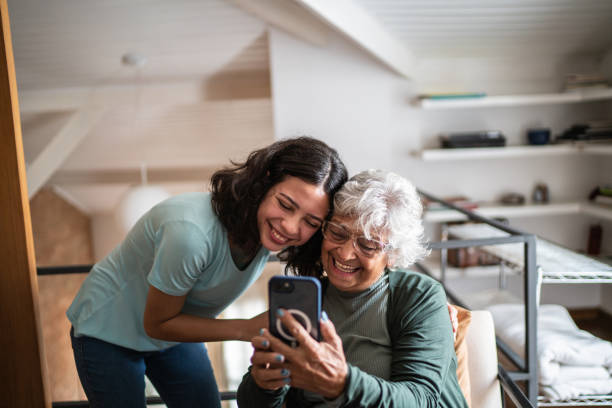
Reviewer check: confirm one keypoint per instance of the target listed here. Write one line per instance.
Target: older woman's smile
(347, 269)
(344, 267)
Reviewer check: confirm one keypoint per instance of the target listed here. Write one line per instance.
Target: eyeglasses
(339, 234)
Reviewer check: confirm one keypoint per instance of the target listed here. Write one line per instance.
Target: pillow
(464, 317)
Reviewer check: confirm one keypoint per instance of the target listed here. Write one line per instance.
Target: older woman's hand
(266, 367)
(318, 367)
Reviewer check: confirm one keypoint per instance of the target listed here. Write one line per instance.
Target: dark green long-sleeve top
(423, 364)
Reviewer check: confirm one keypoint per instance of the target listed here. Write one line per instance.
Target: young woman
(147, 307)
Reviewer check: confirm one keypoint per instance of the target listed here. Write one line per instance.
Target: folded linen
(569, 373)
(574, 389)
(570, 361)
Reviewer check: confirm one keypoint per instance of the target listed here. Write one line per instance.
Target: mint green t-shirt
(180, 247)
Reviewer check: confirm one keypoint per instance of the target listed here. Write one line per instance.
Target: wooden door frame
(23, 380)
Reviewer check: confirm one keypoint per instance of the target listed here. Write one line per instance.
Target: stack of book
(602, 195)
(578, 82)
(596, 131)
(456, 95)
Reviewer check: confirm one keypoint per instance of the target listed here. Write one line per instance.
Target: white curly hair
(383, 203)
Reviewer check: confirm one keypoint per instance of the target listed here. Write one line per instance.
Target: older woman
(391, 341)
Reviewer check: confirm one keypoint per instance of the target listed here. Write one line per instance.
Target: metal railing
(225, 396)
(527, 369)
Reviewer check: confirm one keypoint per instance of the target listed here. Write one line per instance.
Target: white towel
(574, 389)
(570, 361)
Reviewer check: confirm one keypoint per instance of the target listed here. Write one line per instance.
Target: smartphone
(299, 295)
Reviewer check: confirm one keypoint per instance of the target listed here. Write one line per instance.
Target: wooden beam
(71, 199)
(70, 99)
(222, 85)
(289, 17)
(60, 147)
(23, 380)
(354, 22)
(133, 176)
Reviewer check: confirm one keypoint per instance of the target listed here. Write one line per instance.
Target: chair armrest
(513, 391)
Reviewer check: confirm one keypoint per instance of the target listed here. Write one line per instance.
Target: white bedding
(571, 362)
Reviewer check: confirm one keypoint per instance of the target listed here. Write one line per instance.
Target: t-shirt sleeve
(180, 256)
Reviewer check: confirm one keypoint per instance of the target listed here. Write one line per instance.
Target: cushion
(464, 317)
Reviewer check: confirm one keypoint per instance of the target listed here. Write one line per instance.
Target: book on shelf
(446, 96)
(602, 199)
(581, 81)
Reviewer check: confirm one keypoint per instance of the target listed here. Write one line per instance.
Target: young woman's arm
(163, 320)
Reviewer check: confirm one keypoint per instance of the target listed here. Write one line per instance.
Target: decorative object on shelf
(538, 136)
(471, 256)
(485, 138)
(595, 131)
(594, 242)
(601, 195)
(540, 193)
(512, 199)
(466, 257)
(579, 82)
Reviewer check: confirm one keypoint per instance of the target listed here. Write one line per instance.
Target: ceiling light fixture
(137, 201)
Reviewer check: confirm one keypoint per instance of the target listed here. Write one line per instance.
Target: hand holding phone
(300, 296)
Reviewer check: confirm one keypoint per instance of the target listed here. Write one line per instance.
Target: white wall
(340, 95)
(337, 93)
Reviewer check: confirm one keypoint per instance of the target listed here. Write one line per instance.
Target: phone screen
(300, 296)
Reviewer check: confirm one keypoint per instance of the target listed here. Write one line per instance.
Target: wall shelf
(471, 153)
(517, 100)
(598, 149)
(528, 210)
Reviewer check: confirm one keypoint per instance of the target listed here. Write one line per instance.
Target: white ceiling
(496, 27)
(203, 95)
(71, 43)
(74, 43)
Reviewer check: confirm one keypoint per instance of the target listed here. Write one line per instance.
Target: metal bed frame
(527, 369)
(532, 278)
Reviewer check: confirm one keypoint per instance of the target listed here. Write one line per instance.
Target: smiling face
(347, 269)
(290, 213)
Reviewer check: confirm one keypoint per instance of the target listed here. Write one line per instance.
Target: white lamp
(137, 201)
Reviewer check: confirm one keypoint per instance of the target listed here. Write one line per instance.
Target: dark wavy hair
(237, 192)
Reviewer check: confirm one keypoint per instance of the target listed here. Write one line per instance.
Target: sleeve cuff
(341, 399)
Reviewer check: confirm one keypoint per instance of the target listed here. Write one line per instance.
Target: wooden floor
(595, 321)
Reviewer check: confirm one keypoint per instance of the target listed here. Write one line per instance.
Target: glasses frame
(384, 247)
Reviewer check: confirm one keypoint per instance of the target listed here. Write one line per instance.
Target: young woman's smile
(290, 213)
